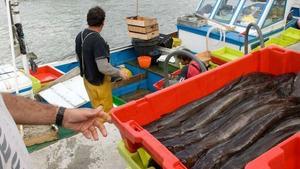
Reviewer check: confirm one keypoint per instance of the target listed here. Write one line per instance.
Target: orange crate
(217, 61)
(131, 117)
(283, 156)
(160, 84)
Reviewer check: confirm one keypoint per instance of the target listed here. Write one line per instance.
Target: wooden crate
(139, 29)
(204, 56)
(141, 21)
(145, 36)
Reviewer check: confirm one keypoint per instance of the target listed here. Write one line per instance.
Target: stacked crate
(143, 28)
(145, 36)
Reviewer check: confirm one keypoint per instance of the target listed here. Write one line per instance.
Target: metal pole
(11, 37)
(20, 35)
(260, 36)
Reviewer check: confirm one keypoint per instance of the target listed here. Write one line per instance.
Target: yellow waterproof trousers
(100, 95)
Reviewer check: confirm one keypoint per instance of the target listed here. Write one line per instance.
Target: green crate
(281, 40)
(278, 41)
(137, 160)
(288, 38)
(36, 84)
(212, 65)
(292, 33)
(227, 54)
(118, 101)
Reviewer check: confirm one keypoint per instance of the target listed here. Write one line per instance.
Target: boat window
(276, 12)
(226, 10)
(251, 12)
(206, 8)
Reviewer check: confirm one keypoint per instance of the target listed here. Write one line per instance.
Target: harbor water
(50, 26)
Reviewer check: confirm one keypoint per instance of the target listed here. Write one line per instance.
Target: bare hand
(86, 121)
(124, 75)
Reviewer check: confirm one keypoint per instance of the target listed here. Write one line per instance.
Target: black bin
(165, 41)
(147, 47)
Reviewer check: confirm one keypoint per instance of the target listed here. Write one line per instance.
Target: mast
(20, 48)
(12, 43)
(17, 42)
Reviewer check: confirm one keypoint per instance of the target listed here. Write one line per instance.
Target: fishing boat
(59, 82)
(233, 17)
(230, 17)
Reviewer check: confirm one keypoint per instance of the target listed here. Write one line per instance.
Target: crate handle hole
(279, 50)
(136, 127)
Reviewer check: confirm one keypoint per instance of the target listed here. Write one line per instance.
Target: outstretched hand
(124, 75)
(86, 121)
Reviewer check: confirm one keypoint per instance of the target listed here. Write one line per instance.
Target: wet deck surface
(77, 153)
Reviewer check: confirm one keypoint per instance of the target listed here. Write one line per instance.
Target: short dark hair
(95, 16)
(184, 57)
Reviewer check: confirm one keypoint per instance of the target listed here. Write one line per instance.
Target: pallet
(139, 29)
(145, 36)
(204, 56)
(39, 134)
(141, 21)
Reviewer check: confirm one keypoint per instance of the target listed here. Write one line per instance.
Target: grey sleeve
(106, 68)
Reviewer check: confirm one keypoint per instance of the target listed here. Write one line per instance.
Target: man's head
(298, 23)
(183, 58)
(96, 17)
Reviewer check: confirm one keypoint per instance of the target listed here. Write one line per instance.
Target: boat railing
(260, 36)
(222, 36)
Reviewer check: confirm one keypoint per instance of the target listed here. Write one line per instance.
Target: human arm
(183, 73)
(101, 54)
(27, 111)
(107, 69)
(78, 46)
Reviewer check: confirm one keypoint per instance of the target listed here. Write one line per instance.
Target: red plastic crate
(217, 61)
(46, 74)
(160, 84)
(283, 156)
(130, 117)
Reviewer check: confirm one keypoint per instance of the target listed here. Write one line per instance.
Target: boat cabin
(233, 17)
